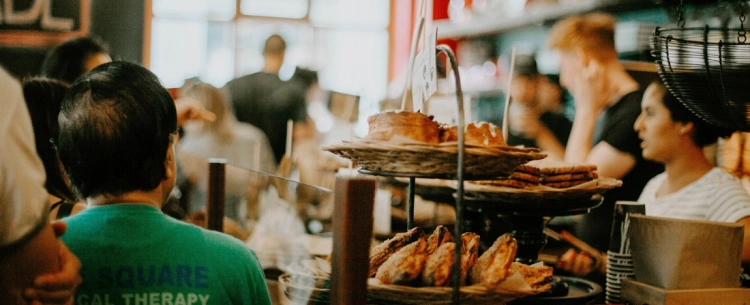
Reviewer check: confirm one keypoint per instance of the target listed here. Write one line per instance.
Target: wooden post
(216, 194)
(352, 231)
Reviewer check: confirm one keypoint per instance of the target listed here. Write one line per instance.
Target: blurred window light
(296, 9)
(217, 10)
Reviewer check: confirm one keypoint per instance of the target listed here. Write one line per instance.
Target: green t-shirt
(132, 254)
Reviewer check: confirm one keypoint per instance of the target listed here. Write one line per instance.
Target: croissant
(440, 236)
(382, 252)
(492, 267)
(404, 266)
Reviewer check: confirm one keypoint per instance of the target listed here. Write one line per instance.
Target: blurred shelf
(639, 66)
(495, 22)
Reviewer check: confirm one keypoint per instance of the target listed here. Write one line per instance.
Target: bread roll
(388, 126)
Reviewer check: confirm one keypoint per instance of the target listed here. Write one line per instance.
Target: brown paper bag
(686, 254)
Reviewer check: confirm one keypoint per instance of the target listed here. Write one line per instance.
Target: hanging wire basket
(708, 71)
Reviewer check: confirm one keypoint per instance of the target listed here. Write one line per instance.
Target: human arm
(58, 287)
(189, 109)
(582, 263)
(530, 125)
(610, 161)
(29, 246)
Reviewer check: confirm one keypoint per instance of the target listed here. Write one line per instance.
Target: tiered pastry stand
(459, 176)
(503, 167)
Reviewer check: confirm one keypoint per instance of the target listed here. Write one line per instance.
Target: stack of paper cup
(619, 258)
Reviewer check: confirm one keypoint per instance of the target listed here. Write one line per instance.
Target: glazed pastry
(382, 252)
(404, 266)
(388, 126)
(475, 134)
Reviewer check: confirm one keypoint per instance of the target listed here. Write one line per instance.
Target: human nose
(638, 126)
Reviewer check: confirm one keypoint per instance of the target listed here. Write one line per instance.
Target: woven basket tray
(424, 159)
(475, 294)
(539, 198)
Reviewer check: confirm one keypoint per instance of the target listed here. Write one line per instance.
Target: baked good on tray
(392, 125)
(404, 266)
(564, 175)
(475, 134)
(523, 176)
(382, 252)
(411, 265)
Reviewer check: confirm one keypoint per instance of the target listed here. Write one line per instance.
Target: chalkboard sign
(42, 22)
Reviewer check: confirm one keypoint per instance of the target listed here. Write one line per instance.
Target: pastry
(571, 177)
(492, 267)
(437, 269)
(382, 252)
(475, 134)
(469, 253)
(539, 278)
(392, 125)
(438, 238)
(565, 184)
(404, 266)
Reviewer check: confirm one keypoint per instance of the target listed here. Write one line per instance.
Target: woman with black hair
(690, 187)
(43, 97)
(73, 58)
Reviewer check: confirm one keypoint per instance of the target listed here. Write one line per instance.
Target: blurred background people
(607, 103)
(531, 124)
(43, 97)
(75, 57)
(251, 94)
(242, 144)
(34, 264)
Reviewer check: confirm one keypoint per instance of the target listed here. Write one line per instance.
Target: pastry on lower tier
(382, 252)
(404, 266)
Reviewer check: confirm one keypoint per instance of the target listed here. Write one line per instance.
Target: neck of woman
(687, 167)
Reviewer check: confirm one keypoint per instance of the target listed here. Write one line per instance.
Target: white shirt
(717, 196)
(23, 199)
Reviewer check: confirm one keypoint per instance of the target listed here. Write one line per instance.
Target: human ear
(686, 128)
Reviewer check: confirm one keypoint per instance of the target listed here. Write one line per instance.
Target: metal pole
(216, 194)
(458, 230)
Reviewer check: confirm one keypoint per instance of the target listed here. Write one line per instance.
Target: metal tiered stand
(529, 218)
(459, 176)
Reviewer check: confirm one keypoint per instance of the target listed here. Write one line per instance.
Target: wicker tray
(475, 294)
(425, 159)
(538, 198)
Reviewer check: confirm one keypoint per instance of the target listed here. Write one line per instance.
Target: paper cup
(619, 241)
